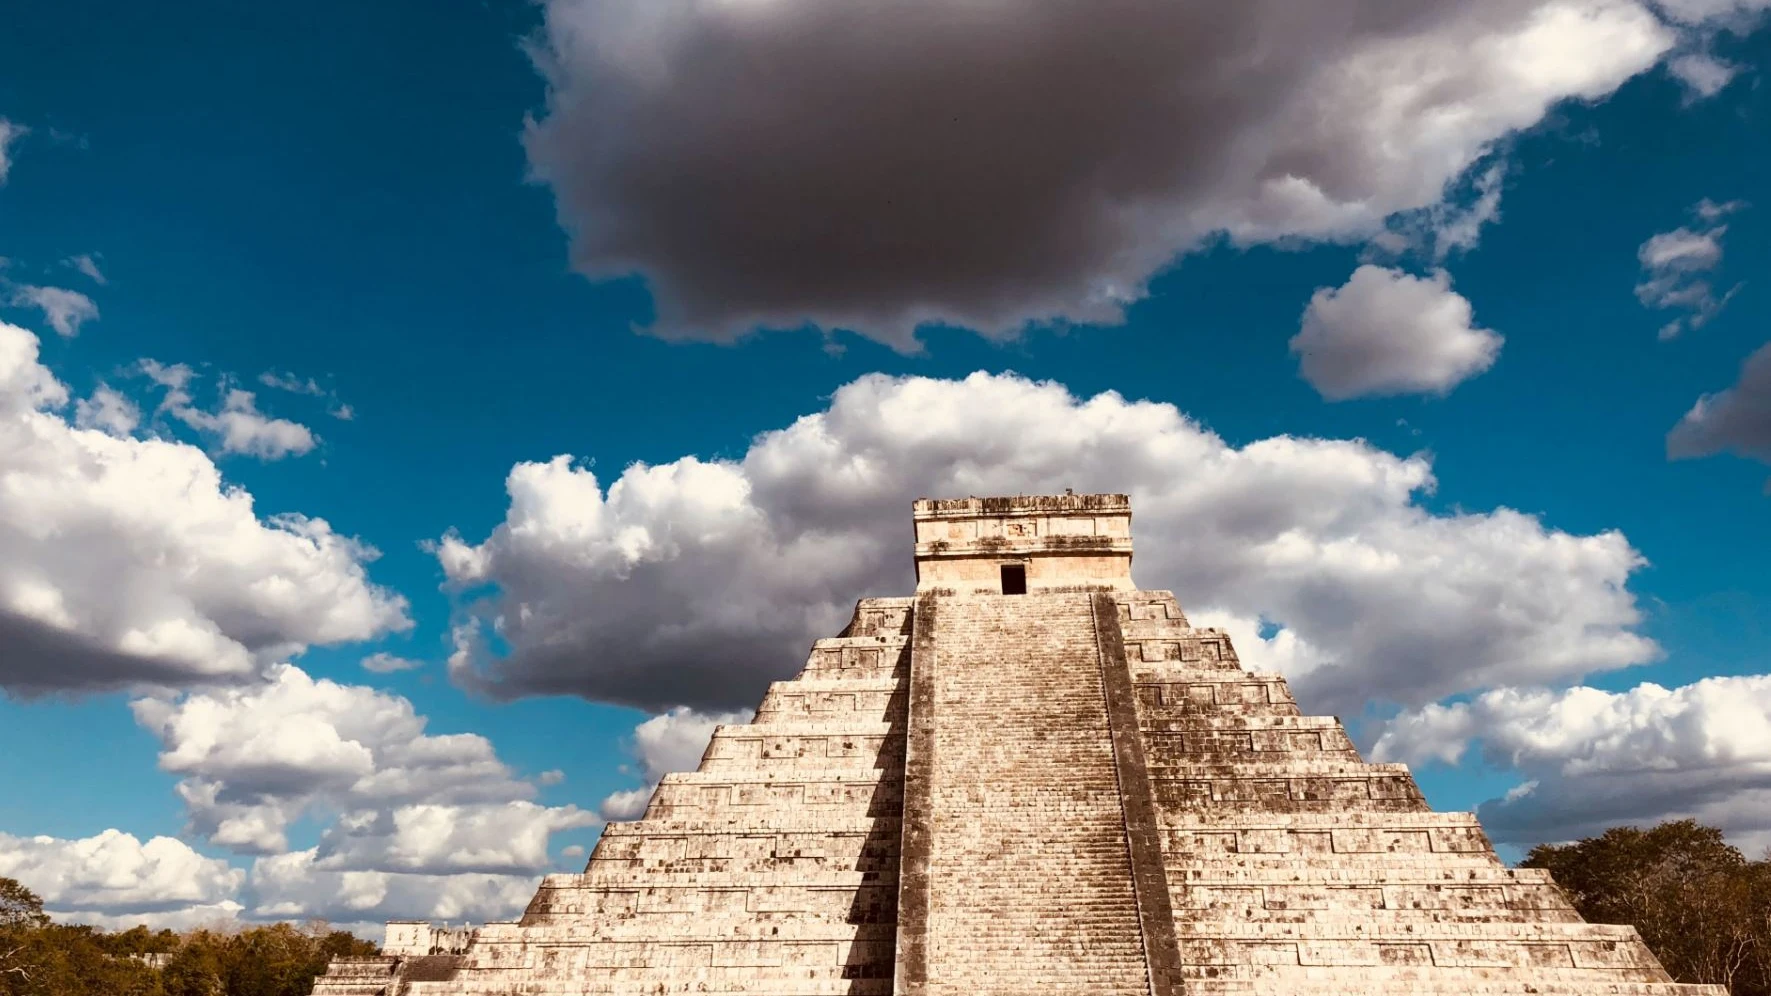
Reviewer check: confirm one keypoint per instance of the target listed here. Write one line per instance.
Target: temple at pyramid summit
(1030, 777)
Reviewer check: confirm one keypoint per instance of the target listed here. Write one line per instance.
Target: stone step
(1412, 875)
(1295, 895)
(1355, 819)
(1383, 922)
(683, 961)
(826, 727)
(783, 824)
(709, 874)
(701, 795)
(864, 980)
(881, 617)
(574, 927)
(1442, 984)
(1350, 931)
(865, 657)
(1230, 711)
(813, 699)
(824, 897)
(1237, 722)
(871, 853)
(1153, 605)
(1254, 797)
(356, 977)
(1161, 649)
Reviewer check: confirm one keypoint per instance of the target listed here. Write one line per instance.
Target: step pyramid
(1032, 777)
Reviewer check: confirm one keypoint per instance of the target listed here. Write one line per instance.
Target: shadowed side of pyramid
(1032, 777)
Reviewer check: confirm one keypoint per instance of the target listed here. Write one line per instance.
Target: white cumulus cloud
(1589, 759)
(415, 824)
(254, 758)
(503, 838)
(108, 410)
(126, 560)
(695, 582)
(116, 873)
(1387, 332)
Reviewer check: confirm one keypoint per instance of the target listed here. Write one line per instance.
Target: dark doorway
(1014, 579)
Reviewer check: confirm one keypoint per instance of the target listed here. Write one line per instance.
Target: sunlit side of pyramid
(1031, 777)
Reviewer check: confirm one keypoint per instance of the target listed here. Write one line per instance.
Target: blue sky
(344, 193)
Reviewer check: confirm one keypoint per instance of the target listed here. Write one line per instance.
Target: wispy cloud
(295, 384)
(64, 309)
(87, 263)
(1676, 268)
(386, 663)
(237, 426)
(9, 134)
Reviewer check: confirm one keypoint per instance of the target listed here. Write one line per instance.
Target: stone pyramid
(1031, 777)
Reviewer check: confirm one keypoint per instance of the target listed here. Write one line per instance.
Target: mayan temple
(1030, 777)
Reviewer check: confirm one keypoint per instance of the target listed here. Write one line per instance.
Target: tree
(21, 916)
(196, 968)
(139, 940)
(19, 906)
(42, 958)
(1698, 903)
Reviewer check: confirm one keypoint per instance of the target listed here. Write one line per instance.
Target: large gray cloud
(1736, 420)
(993, 162)
(695, 582)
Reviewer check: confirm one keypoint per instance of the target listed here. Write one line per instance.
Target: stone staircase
(1028, 876)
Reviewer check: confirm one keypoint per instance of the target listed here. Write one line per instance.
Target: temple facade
(1031, 777)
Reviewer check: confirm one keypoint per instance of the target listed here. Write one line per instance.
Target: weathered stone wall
(1062, 542)
(420, 937)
